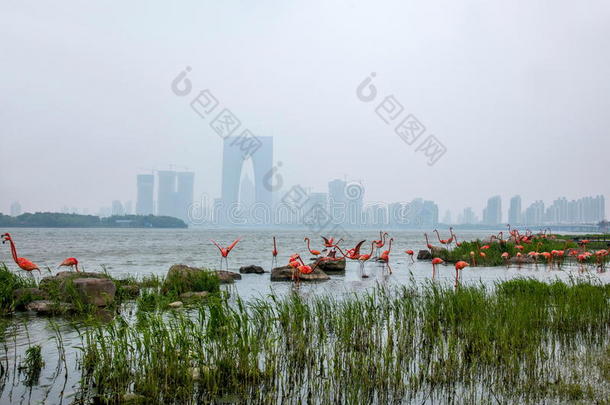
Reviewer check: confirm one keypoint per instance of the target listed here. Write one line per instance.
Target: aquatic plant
(32, 365)
(9, 282)
(520, 341)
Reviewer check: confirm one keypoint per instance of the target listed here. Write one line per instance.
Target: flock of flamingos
(333, 252)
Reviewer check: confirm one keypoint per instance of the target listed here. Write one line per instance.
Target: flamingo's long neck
(340, 251)
(372, 245)
(308, 248)
(427, 242)
(390, 245)
(438, 235)
(13, 250)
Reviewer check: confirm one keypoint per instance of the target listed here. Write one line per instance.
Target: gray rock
(96, 291)
(251, 269)
(424, 255)
(285, 274)
(175, 304)
(47, 307)
(332, 266)
(227, 277)
(194, 295)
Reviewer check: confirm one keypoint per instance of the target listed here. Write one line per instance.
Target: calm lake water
(139, 252)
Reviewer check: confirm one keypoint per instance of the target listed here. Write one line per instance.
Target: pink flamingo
(22, 262)
(313, 252)
(364, 258)
(274, 254)
(410, 253)
(70, 262)
(385, 256)
(224, 252)
(459, 266)
(435, 261)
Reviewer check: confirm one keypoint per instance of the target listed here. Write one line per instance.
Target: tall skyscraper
(492, 214)
(184, 194)
(144, 202)
(534, 214)
(514, 211)
(175, 193)
(165, 192)
(15, 209)
(236, 150)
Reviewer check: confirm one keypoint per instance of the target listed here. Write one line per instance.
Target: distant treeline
(57, 220)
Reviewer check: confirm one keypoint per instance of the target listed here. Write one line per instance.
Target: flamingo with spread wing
(224, 251)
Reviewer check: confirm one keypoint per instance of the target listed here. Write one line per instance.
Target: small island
(58, 220)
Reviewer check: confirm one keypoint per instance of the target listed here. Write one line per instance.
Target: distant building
(184, 194)
(175, 193)
(429, 214)
(15, 209)
(117, 208)
(468, 217)
(447, 217)
(534, 214)
(337, 201)
(144, 202)
(236, 150)
(166, 192)
(128, 208)
(514, 211)
(376, 215)
(492, 214)
(396, 214)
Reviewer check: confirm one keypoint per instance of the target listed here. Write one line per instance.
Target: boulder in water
(285, 274)
(46, 307)
(424, 254)
(251, 269)
(95, 291)
(332, 265)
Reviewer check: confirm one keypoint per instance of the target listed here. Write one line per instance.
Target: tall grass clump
(520, 341)
(32, 365)
(9, 282)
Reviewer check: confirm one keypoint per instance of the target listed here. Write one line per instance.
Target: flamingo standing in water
(435, 261)
(454, 236)
(381, 242)
(410, 253)
(70, 262)
(364, 258)
(459, 266)
(313, 252)
(274, 254)
(224, 252)
(385, 256)
(444, 242)
(428, 245)
(22, 262)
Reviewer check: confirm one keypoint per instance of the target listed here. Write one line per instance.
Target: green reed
(522, 341)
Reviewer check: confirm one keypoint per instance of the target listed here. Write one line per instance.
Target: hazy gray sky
(518, 92)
